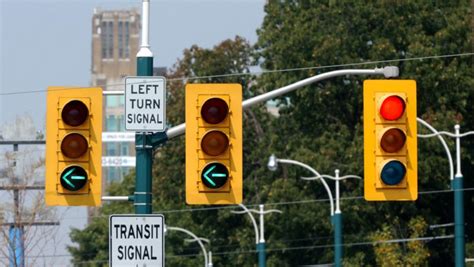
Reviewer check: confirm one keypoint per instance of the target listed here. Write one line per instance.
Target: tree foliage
(320, 125)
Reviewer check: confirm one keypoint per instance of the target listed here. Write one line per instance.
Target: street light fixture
(336, 215)
(259, 237)
(207, 263)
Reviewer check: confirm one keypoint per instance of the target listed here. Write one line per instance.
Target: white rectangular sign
(118, 137)
(122, 161)
(145, 104)
(136, 240)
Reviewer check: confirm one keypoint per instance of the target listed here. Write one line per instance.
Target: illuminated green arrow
(213, 175)
(73, 177)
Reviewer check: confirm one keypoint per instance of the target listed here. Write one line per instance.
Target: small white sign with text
(145, 104)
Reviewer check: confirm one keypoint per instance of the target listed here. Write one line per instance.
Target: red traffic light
(392, 108)
(393, 140)
(74, 145)
(74, 113)
(214, 110)
(214, 143)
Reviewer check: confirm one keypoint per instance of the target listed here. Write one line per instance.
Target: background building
(115, 42)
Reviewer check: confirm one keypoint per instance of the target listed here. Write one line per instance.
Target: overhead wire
(284, 249)
(307, 201)
(264, 71)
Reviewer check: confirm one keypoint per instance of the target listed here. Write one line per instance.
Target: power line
(284, 249)
(308, 201)
(267, 71)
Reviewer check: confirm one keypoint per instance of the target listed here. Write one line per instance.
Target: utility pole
(17, 227)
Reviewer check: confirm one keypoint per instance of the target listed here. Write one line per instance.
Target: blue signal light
(393, 172)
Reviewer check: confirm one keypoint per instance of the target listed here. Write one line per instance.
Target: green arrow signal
(73, 177)
(209, 179)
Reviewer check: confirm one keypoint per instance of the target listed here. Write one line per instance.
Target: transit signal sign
(390, 140)
(136, 240)
(145, 104)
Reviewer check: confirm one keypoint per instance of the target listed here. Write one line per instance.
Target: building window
(127, 38)
(113, 101)
(111, 123)
(110, 41)
(120, 123)
(120, 38)
(111, 149)
(125, 150)
(113, 174)
(107, 39)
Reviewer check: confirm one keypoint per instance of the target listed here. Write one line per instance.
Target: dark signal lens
(214, 110)
(74, 145)
(393, 172)
(75, 113)
(214, 143)
(392, 108)
(214, 175)
(393, 140)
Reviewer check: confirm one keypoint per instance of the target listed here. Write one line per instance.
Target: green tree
(415, 253)
(322, 124)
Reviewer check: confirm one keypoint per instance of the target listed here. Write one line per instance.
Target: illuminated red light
(392, 108)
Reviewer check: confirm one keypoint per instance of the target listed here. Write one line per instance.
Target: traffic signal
(390, 140)
(73, 146)
(213, 144)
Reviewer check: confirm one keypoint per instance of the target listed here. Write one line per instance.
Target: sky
(48, 42)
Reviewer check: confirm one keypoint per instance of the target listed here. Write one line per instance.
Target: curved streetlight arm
(345, 177)
(245, 210)
(179, 229)
(388, 72)
(294, 162)
(441, 139)
(270, 211)
(446, 133)
(189, 240)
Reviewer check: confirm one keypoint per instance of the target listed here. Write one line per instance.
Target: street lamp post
(259, 237)
(457, 187)
(336, 215)
(207, 263)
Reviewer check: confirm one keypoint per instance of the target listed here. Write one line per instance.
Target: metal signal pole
(143, 145)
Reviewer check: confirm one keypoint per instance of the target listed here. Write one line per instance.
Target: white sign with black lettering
(136, 240)
(145, 104)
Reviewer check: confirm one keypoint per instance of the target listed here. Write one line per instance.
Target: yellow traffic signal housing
(390, 140)
(213, 144)
(73, 146)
